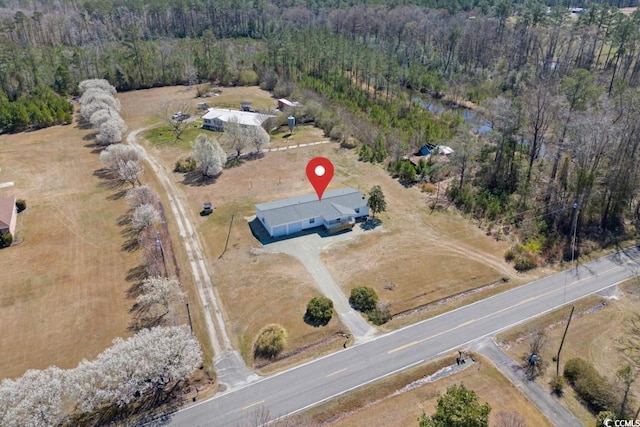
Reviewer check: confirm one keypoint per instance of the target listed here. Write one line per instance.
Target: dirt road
(231, 370)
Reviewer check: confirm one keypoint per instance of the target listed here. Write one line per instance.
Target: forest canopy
(556, 87)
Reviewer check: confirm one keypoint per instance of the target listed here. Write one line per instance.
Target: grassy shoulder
(595, 334)
(401, 399)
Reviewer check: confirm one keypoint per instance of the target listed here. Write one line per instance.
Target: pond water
(478, 124)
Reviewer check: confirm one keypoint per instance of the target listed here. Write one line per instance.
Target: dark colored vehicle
(207, 208)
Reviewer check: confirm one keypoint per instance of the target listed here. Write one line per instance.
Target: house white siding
(338, 208)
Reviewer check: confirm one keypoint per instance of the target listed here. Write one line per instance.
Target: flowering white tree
(97, 83)
(144, 216)
(99, 117)
(100, 108)
(140, 195)
(209, 155)
(114, 154)
(149, 363)
(35, 399)
(93, 95)
(257, 136)
(236, 136)
(154, 302)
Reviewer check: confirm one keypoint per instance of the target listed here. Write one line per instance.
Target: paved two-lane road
(339, 373)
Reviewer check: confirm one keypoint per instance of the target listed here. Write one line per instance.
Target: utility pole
(189, 314)
(575, 227)
(562, 343)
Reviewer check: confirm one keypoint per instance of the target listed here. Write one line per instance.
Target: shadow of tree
(137, 273)
(135, 290)
(316, 323)
(124, 220)
(370, 224)
(131, 245)
(196, 179)
(233, 162)
(118, 194)
(90, 137)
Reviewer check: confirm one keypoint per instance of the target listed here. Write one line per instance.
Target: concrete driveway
(306, 247)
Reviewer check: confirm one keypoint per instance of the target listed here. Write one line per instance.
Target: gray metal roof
(334, 204)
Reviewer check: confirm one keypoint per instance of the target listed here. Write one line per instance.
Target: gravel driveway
(307, 248)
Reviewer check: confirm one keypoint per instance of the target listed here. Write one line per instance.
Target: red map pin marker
(319, 174)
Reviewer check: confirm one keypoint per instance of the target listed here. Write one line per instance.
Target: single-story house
(8, 215)
(285, 104)
(337, 209)
(216, 118)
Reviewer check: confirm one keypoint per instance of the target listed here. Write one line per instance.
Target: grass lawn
(63, 289)
(381, 403)
(163, 136)
(306, 134)
(231, 97)
(435, 254)
(594, 335)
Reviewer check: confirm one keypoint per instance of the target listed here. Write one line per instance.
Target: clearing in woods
(427, 256)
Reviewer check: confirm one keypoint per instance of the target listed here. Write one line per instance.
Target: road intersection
(310, 384)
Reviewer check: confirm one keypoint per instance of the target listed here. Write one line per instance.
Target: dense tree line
(41, 108)
(543, 77)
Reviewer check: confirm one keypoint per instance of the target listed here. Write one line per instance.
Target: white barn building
(337, 210)
(216, 118)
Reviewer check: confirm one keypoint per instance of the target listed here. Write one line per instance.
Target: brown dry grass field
(63, 289)
(428, 256)
(380, 404)
(594, 335)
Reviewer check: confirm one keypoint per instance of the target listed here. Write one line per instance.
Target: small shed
(285, 104)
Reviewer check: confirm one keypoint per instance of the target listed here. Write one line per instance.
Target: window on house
(357, 210)
(312, 220)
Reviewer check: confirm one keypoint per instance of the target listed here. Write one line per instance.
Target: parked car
(180, 116)
(207, 208)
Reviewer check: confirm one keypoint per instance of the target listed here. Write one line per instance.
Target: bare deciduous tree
(175, 115)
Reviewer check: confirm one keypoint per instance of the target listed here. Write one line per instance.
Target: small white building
(337, 209)
(285, 105)
(8, 215)
(216, 118)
